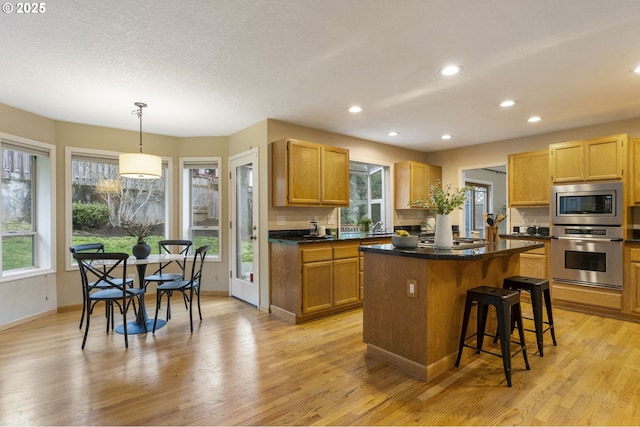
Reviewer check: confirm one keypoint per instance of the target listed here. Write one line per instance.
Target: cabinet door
(634, 191)
(346, 286)
(529, 183)
(412, 180)
(566, 162)
(604, 158)
(635, 284)
(304, 164)
(316, 286)
(335, 176)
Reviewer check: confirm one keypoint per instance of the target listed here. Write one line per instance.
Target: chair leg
(547, 302)
(191, 308)
(504, 324)
(463, 332)
(517, 313)
(86, 330)
(199, 310)
(536, 303)
(158, 299)
(483, 310)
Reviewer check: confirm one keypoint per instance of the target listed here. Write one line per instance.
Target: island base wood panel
(420, 334)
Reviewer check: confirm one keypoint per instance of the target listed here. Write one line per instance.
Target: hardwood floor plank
(245, 367)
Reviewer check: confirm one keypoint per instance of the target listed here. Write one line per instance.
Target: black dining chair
(102, 268)
(162, 274)
(96, 285)
(190, 286)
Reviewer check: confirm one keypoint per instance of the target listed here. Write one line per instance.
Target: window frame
(90, 152)
(184, 218)
(387, 196)
(43, 205)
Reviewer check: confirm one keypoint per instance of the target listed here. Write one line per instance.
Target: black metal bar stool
(507, 305)
(539, 290)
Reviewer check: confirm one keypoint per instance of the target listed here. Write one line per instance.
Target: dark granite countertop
(294, 238)
(500, 248)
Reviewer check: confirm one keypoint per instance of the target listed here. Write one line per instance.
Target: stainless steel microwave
(587, 204)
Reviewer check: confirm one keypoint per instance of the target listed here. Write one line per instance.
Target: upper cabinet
(412, 182)
(309, 174)
(589, 160)
(529, 183)
(634, 176)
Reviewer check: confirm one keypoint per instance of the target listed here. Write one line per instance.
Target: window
(368, 194)
(27, 193)
(103, 207)
(200, 183)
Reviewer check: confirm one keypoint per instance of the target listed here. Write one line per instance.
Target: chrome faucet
(377, 225)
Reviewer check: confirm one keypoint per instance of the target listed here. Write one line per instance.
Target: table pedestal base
(137, 328)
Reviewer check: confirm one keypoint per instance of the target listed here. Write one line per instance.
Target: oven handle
(587, 239)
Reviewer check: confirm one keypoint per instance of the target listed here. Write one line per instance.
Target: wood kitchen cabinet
(412, 182)
(529, 182)
(632, 283)
(309, 174)
(535, 263)
(634, 176)
(589, 160)
(311, 280)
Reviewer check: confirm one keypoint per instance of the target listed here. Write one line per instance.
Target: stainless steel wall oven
(587, 234)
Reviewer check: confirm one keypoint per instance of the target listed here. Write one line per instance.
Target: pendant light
(140, 165)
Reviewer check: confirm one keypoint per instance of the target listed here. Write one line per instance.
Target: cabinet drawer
(316, 254)
(634, 254)
(340, 252)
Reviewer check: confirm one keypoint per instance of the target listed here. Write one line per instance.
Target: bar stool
(539, 290)
(507, 305)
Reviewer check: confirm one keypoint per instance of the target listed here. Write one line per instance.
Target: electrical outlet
(282, 220)
(331, 220)
(412, 288)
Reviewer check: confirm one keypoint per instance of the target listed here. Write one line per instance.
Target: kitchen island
(415, 299)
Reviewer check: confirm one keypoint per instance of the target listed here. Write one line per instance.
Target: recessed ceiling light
(637, 70)
(450, 70)
(393, 133)
(508, 103)
(355, 109)
(534, 119)
(446, 136)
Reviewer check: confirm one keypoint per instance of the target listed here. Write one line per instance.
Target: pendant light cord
(140, 106)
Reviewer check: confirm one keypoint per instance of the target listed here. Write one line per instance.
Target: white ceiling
(212, 68)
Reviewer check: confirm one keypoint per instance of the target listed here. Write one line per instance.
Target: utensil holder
(491, 234)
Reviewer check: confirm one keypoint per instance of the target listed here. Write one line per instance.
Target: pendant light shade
(140, 165)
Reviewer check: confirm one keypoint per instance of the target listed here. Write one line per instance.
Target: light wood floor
(242, 366)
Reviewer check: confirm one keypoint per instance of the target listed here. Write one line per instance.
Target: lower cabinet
(311, 280)
(535, 263)
(632, 282)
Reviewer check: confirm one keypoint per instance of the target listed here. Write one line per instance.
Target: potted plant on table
(443, 200)
(139, 230)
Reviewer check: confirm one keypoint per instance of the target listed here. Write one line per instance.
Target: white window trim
(183, 217)
(388, 187)
(45, 213)
(69, 153)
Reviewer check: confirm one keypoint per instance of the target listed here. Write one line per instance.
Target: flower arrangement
(443, 200)
(136, 229)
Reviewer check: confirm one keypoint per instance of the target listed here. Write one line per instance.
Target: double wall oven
(587, 232)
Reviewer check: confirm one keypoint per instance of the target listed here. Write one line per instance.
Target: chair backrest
(87, 247)
(99, 267)
(198, 263)
(174, 247)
